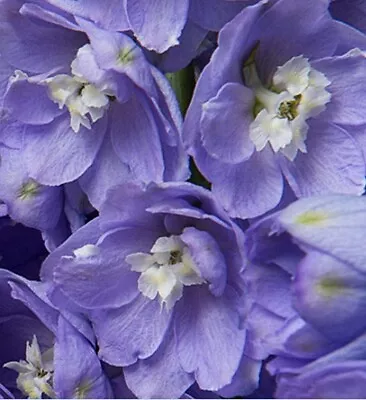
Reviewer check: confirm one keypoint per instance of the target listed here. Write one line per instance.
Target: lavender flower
(259, 116)
(159, 260)
(87, 90)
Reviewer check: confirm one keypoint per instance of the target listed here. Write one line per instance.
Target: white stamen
(18, 76)
(166, 270)
(86, 102)
(87, 251)
(35, 372)
(62, 88)
(298, 93)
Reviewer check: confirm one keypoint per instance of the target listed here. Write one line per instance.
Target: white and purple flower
(159, 276)
(280, 107)
(88, 105)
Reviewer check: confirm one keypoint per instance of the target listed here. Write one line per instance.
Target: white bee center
(166, 270)
(297, 94)
(85, 102)
(35, 372)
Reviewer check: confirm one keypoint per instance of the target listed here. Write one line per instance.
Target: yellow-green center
(288, 109)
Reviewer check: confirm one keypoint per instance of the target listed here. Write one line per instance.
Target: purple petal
(209, 341)
(239, 188)
(55, 154)
(214, 14)
(333, 163)
(207, 257)
(346, 89)
(112, 17)
(117, 51)
(173, 380)
(126, 204)
(223, 68)
(178, 57)
(331, 296)
(169, 122)
(37, 48)
(78, 372)
(349, 37)
(271, 288)
(51, 15)
(157, 24)
(355, 350)
(168, 109)
(105, 280)
(5, 72)
(28, 202)
(225, 124)
(77, 206)
(34, 295)
(246, 379)
(87, 234)
(264, 248)
(74, 314)
(298, 339)
(106, 171)
(338, 380)
(313, 36)
(333, 225)
(20, 102)
(11, 133)
(133, 332)
(183, 209)
(54, 237)
(137, 144)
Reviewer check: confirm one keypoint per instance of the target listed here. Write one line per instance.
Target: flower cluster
(181, 198)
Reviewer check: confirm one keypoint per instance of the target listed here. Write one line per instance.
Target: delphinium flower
(309, 273)
(159, 275)
(103, 114)
(163, 293)
(41, 353)
(276, 103)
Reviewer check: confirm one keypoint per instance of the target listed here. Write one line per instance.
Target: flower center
(29, 189)
(297, 93)
(85, 102)
(165, 270)
(36, 372)
(288, 109)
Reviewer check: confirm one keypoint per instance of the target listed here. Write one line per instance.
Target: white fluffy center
(297, 93)
(35, 372)
(166, 270)
(84, 101)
